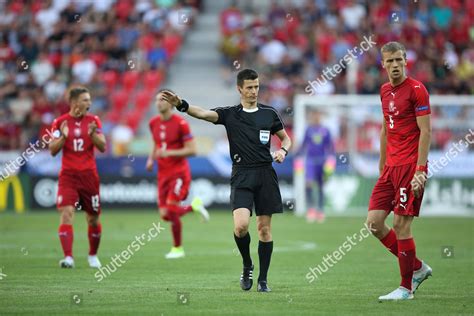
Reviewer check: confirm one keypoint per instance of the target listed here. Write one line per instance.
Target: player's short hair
(393, 47)
(246, 74)
(75, 92)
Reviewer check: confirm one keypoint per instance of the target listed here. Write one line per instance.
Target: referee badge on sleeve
(264, 136)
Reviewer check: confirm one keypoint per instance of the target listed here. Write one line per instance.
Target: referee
(249, 127)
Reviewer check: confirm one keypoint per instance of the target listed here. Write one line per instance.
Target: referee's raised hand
(171, 98)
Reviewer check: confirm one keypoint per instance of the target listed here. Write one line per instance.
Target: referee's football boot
(263, 287)
(246, 278)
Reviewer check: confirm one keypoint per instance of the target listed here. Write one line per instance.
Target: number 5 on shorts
(403, 195)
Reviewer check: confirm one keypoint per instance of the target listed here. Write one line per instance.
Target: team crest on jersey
(392, 108)
(77, 132)
(264, 136)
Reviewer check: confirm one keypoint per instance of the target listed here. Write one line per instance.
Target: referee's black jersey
(249, 133)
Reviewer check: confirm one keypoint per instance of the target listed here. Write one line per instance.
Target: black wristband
(184, 106)
(286, 151)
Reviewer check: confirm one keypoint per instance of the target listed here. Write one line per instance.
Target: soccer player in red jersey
(77, 134)
(173, 142)
(404, 146)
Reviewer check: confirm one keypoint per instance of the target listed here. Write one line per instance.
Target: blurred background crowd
(122, 51)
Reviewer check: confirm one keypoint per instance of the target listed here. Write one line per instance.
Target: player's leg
(66, 235)
(165, 191)
(94, 233)
(90, 201)
(320, 217)
(265, 250)
(179, 193)
(310, 190)
(66, 200)
(173, 215)
(406, 248)
(242, 240)
(406, 207)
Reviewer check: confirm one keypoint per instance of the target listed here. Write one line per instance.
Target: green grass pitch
(206, 282)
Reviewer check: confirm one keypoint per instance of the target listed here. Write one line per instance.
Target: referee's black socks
(265, 249)
(243, 243)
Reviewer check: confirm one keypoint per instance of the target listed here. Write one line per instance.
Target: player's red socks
(66, 236)
(406, 260)
(178, 209)
(390, 242)
(176, 227)
(94, 234)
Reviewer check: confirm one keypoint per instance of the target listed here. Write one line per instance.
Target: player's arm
(383, 147)
(98, 139)
(280, 154)
(151, 159)
(424, 124)
(419, 180)
(58, 142)
(193, 110)
(189, 149)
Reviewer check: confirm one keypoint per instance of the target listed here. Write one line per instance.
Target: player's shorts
(392, 192)
(257, 186)
(173, 189)
(79, 189)
(314, 172)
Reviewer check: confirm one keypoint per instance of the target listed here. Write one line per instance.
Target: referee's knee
(264, 233)
(241, 230)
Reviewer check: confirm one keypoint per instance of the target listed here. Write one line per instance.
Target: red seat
(130, 80)
(142, 100)
(110, 78)
(152, 80)
(133, 119)
(119, 101)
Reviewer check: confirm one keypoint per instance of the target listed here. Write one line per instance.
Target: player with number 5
(77, 134)
(404, 146)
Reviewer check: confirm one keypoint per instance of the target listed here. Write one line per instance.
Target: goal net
(354, 122)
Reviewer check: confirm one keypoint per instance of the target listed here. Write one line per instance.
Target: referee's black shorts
(257, 186)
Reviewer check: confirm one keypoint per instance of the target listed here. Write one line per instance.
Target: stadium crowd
(120, 49)
(291, 45)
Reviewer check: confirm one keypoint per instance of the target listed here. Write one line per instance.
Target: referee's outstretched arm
(194, 111)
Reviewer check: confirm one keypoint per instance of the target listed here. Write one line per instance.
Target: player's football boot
(67, 262)
(175, 253)
(246, 278)
(311, 215)
(398, 295)
(198, 207)
(263, 287)
(420, 275)
(94, 262)
(320, 217)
